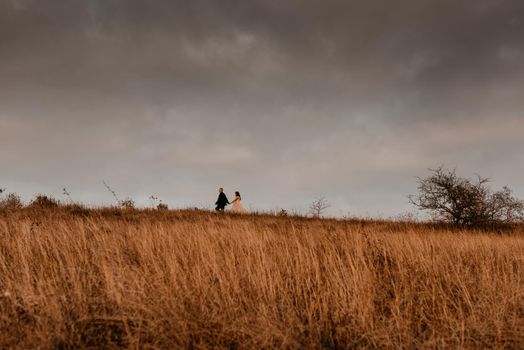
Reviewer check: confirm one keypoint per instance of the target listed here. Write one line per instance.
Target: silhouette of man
(221, 201)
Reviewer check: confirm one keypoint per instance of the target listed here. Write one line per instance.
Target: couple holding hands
(222, 201)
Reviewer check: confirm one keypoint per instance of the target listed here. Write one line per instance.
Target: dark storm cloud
(347, 98)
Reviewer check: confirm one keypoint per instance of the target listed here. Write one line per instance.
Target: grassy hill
(77, 278)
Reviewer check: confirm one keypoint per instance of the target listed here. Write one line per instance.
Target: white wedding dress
(237, 206)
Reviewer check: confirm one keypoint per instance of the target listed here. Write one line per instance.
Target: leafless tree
(466, 202)
(318, 206)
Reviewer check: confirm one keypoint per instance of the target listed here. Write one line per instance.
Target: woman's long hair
(238, 194)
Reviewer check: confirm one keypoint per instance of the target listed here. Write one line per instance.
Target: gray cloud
(283, 100)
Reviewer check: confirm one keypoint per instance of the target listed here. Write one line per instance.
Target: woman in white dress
(237, 204)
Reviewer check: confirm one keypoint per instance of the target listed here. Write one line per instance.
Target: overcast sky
(283, 100)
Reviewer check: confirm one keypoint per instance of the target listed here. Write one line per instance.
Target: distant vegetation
(464, 202)
(447, 197)
(10, 201)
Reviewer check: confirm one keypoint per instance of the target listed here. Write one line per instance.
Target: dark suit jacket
(222, 200)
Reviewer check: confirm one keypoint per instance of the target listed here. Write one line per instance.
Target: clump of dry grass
(73, 278)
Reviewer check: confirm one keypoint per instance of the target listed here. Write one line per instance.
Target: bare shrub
(11, 201)
(318, 206)
(127, 203)
(161, 206)
(465, 202)
(44, 202)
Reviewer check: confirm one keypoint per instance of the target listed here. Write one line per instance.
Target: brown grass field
(109, 278)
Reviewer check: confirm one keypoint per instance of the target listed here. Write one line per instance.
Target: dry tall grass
(143, 279)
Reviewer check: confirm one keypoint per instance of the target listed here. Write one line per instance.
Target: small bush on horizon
(44, 202)
(127, 203)
(162, 206)
(11, 201)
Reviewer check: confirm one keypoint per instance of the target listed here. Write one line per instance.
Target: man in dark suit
(221, 201)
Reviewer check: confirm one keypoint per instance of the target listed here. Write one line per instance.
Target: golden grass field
(109, 278)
